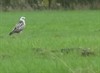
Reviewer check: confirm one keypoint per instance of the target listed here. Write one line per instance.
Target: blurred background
(10, 5)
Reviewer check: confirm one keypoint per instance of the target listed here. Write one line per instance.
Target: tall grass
(50, 30)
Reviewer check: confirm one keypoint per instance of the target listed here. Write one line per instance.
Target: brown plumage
(19, 27)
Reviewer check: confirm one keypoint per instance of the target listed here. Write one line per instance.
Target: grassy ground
(38, 49)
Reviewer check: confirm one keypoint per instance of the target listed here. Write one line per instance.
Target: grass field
(38, 48)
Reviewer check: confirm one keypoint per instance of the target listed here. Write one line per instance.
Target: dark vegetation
(64, 51)
(8, 5)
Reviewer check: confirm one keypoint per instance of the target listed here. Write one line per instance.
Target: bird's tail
(11, 33)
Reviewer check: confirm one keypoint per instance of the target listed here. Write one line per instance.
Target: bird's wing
(19, 26)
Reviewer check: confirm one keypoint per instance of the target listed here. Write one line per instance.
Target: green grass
(50, 30)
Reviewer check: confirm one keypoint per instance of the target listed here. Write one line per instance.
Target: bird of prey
(19, 27)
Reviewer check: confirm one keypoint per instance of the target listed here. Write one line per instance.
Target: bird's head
(22, 18)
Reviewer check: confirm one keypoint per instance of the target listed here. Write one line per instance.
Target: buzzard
(19, 26)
